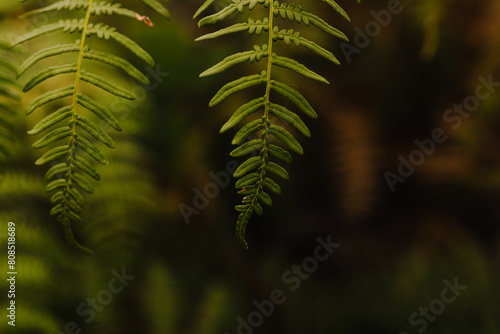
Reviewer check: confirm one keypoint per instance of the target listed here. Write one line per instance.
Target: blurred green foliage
(396, 248)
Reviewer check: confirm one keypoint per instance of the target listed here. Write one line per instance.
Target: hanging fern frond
(255, 174)
(9, 96)
(72, 138)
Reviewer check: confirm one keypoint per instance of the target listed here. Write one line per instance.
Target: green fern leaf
(43, 30)
(119, 63)
(106, 32)
(61, 168)
(271, 185)
(227, 11)
(247, 180)
(56, 184)
(106, 85)
(253, 26)
(203, 7)
(241, 224)
(289, 36)
(91, 149)
(73, 206)
(48, 73)
(279, 153)
(76, 142)
(254, 203)
(247, 166)
(294, 65)
(102, 57)
(256, 136)
(82, 182)
(295, 13)
(238, 85)
(57, 197)
(53, 136)
(295, 97)
(52, 119)
(247, 130)
(95, 131)
(86, 167)
(50, 97)
(278, 170)
(286, 137)
(99, 110)
(289, 117)
(53, 154)
(46, 53)
(265, 198)
(255, 55)
(337, 8)
(244, 111)
(100, 30)
(251, 146)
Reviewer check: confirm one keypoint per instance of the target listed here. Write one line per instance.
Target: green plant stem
(65, 220)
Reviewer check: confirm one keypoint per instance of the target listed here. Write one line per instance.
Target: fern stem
(65, 219)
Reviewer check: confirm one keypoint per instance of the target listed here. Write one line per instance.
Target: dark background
(396, 250)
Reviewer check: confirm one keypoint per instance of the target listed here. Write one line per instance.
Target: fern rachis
(75, 134)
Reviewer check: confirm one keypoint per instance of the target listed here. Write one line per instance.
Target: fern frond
(9, 97)
(72, 139)
(100, 30)
(256, 138)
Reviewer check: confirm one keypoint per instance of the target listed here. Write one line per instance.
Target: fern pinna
(255, 137)
(72, 136)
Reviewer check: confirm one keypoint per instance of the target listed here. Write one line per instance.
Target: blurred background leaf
(396, 248)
